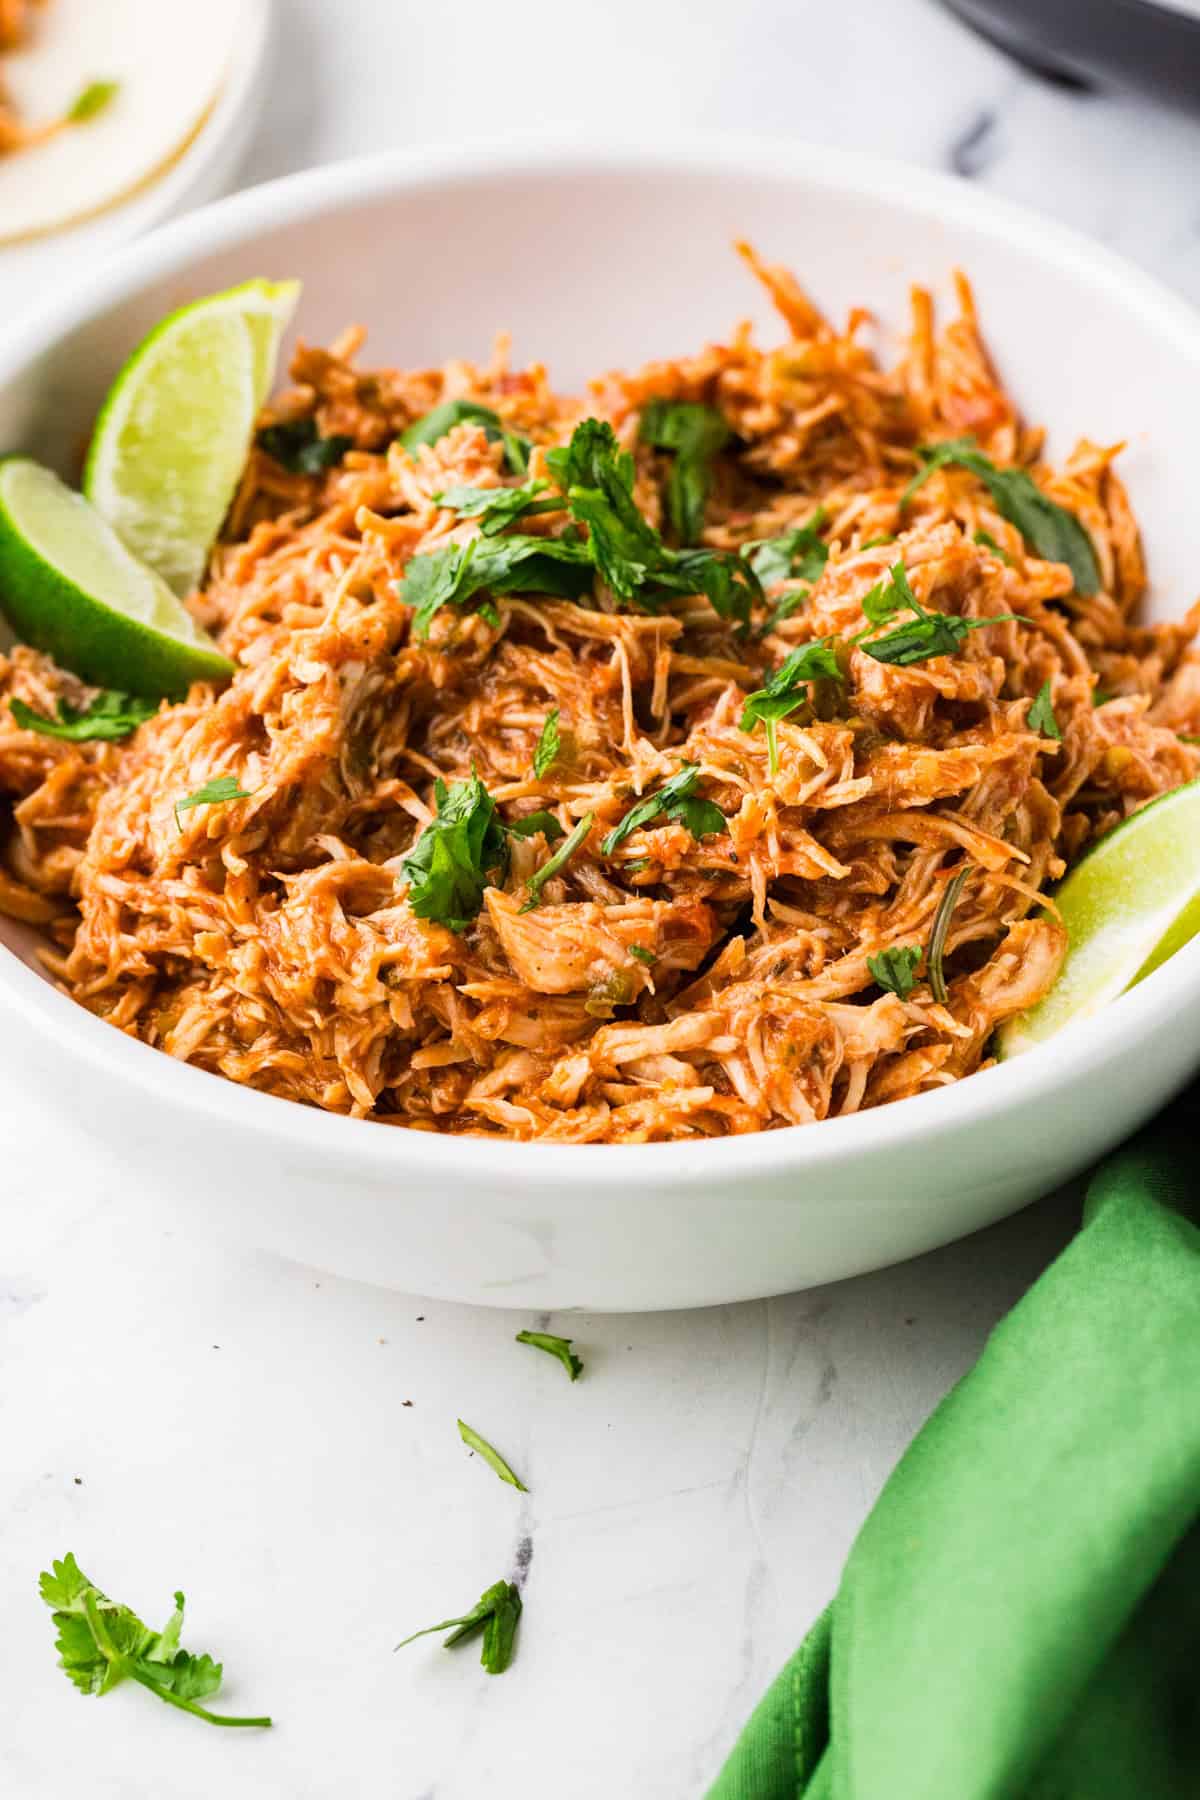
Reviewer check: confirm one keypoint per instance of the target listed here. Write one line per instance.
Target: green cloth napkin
(1019, 1618)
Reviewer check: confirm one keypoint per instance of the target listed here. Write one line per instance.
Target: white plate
(596, 257)
(30, 272)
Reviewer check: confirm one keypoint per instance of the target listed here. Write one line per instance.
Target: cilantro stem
(188, 1706)
(553, 864)
(937, 939)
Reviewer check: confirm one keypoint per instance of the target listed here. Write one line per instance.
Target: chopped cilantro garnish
(597, 478)
(787, 689)
(1054, 533)
(676, 799)
(554, 1346)
(798, 554)
(695, 433)
(217, 792)
(895, 968)
(434, 425)
(642, 955)
(548, 745)
(500, 565)
(110, 717)
(937, 937)
(495, 1614)
(491, 1457)
(498, 507)
(928, 634)
(297, 444)
(873, 543)
(449, 866)
(1040, 716)
(560, 858)
(100, 1644)
(92, 100)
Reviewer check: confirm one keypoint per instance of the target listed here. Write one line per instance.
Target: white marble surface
(184, 1414)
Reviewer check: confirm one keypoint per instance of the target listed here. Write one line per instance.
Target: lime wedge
(1131, 902)
(171, 440)
(69, 586)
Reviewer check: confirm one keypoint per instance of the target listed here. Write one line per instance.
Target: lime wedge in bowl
(172, 436)
(1127, 905)
(69, 586)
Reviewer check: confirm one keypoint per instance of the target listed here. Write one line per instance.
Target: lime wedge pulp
(171, 440)
(70, 587)
(1128, 904)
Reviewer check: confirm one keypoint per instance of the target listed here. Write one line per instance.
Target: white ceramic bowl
(599, 257)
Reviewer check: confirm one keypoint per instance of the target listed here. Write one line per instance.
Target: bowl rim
(572, 1172)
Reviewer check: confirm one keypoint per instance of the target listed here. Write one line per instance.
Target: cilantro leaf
(596, 476)
(499, 565)
(533, 822)
(297, 444)
(676, 799)
(434, 425)
(216, 792)
(100, 1644)
(937, 937)
(926, 635)
(1053, 532)
(548, 745)
(695, 433)
(800, 553)
(554, 1346)
(92, 100)
(498, 507)
(895, 968)
(730, 585)
(110, 717)
(491, 1456)
(554, 863)
(449, 866)
(639, 952)
(1040, 716)
(787, 689)
(495, 1613)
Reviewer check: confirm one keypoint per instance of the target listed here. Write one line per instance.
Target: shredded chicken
(677, 985)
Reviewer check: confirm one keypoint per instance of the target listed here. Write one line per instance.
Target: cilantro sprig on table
(495, 1614)
(100, 1644)
(1052, 531)
(556, 1346)
(490, 1455)
(110, 717)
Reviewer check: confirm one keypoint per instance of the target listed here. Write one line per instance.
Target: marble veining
(282, 1443)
